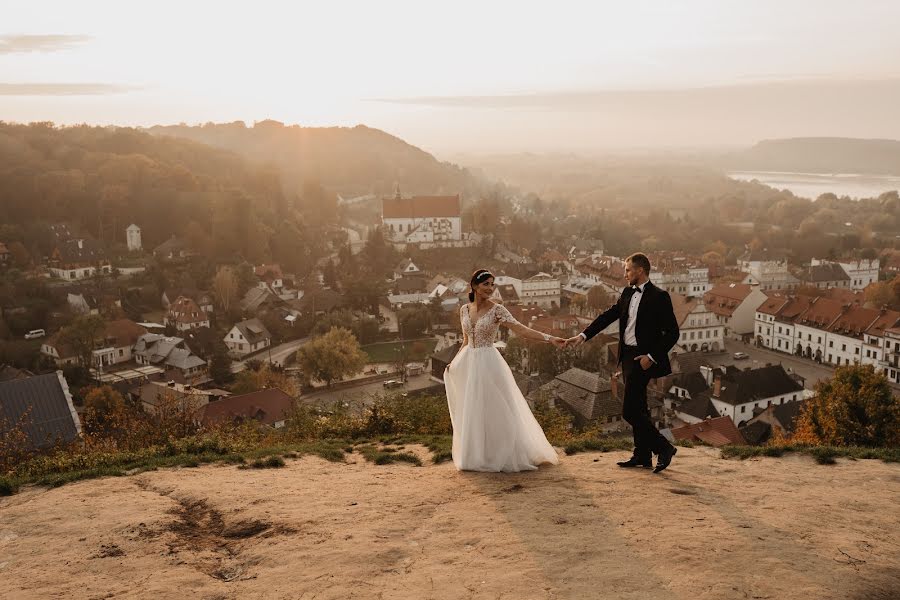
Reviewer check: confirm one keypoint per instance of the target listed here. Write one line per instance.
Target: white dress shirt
(630, 338)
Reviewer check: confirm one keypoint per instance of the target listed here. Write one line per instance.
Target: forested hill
(101, 179)
(357, 160)
(820, 155)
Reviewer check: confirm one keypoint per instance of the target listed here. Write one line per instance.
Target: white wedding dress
(493, 428)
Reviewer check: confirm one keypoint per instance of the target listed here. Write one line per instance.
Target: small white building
(740, 395)
(700, 328)
(542, 290)
(735, 304)
(133, 236)
(247, 337)
(422, 219)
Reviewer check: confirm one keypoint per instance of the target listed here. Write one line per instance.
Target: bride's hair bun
(479, 276)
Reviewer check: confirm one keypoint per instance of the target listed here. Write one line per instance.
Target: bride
(493, 428)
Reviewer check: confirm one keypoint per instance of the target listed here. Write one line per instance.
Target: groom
(647, 331)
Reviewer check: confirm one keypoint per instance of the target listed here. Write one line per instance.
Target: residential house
(770, 275)
(270, 408)
(777, 417)
(184, 314)
(159, 395)
(442, 358)
(586, 396)
(204, 300)
(113, 346)
(826, 275)
(399, 301)
(740, 394)
(41, 408)
(247, 337)
(679, 275)
(319, 302)
(173, 248)
(735, 305)
(422, 218)
(785, 328)
(258, 299)
(861, 273)
(716, 432)
(890, 363)
(407, 268)
(541, 289)
(558, 262)
(80, 258)
(173, 355)
(699, 327)
(270, 277)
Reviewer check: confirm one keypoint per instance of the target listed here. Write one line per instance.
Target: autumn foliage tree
(331, 356)
(856, 407)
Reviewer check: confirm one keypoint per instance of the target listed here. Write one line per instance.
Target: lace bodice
(483, 332)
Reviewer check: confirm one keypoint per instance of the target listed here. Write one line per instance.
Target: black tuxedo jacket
(656, 329)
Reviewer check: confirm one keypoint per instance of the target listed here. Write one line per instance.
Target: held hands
(572, 342)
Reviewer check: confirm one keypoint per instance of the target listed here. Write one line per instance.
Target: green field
(385, 352)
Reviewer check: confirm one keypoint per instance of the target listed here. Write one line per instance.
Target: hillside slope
(705, 529)
(820, 155)
(349, 160)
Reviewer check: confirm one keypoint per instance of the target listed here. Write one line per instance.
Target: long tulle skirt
(493, 428)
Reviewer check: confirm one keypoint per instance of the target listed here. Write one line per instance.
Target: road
(808, 369)
(276, 354)
(363, 394)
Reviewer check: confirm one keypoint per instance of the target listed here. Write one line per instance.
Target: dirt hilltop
(706, 529)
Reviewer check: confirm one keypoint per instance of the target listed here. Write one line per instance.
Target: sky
(465, 76)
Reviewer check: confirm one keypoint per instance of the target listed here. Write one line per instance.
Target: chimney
(717, 386)
(614, 386)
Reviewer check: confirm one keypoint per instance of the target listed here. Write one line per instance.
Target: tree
(880, 294)
(225, 286)
(598, 299)
(856, 407)
(331, 356)
(82, 336)
(265, 377)
(220, 365)
(414, 321)
(105, 407)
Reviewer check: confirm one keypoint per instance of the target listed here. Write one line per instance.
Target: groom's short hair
(639, 259)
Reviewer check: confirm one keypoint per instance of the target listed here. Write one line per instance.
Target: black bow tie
(637, 289)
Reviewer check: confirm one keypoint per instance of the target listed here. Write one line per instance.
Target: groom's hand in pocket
(645, 361)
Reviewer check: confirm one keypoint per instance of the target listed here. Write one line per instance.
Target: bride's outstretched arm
(522, 331)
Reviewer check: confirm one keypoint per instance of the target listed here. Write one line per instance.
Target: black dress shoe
(634, 461)
(665, 458)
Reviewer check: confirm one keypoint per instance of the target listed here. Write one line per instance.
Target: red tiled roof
(268, 272)
(716, 432)
(420, 207)
(822, 312)
(682, 307)
(185, 310)
(886, 320)
(773, 305)
(266, 406)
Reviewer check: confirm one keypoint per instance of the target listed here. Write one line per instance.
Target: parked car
(35, 333)
(392, 383)
(741, 356)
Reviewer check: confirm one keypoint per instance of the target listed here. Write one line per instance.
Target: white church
(422, 219)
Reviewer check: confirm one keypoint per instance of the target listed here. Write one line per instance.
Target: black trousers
(647, 438)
